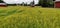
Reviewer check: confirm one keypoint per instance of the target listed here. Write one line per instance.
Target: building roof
(2, 3)
(57, 0)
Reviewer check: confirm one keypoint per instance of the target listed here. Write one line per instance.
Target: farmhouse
(57, 4)
(2, 3)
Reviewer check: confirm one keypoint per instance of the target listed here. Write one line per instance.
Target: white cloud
(19, 1)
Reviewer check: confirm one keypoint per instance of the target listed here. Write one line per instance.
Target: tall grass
(28, 17)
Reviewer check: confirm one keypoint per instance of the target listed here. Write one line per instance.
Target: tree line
(46, 3)
(43, 3)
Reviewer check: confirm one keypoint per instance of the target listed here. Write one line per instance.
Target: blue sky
(19, 1)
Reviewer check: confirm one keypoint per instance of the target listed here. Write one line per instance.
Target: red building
(57, 4)
(2, 5)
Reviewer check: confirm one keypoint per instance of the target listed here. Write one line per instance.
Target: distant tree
(23, 3)
(1, 1)
(51, 3)
(46, 3)
(32, 3)
(17, 4)
(40, 2)
(53, 0)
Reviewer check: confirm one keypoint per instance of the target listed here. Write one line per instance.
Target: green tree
(46, 3)
(51, 3)
(32, 3)
(40, 2)
(1, 1)
(23, 3)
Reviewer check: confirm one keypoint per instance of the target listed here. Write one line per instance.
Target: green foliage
(46, 3)
(1, 1)
(40, 2)
(28, 17)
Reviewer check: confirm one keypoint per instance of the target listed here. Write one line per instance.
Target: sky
(19, 1)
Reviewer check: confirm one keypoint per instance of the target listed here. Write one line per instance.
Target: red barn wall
(57, 4)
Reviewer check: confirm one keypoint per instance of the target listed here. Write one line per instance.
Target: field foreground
(29, 17)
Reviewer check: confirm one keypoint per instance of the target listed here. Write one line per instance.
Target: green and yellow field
(29, 17)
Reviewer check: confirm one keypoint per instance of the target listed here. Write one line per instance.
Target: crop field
(29, 17)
